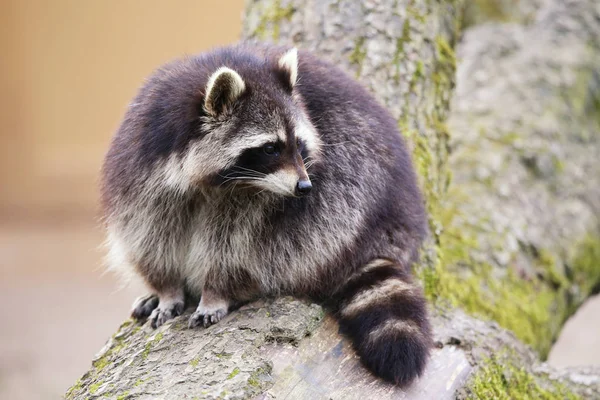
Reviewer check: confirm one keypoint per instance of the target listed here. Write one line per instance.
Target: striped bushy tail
(385, 316)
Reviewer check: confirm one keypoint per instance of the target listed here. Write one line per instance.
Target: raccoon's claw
(161, 314)
(212, 309)
(205, 319)
(143, 306)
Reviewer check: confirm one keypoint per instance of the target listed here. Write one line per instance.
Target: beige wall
(68, 70)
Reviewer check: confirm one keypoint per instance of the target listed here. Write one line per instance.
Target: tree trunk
(515, 237)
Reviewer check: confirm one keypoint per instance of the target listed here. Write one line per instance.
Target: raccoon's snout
(303, 187)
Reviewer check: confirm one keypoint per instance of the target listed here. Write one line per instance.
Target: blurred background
(68, 70)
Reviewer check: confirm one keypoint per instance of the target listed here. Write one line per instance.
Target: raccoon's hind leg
(212, 309)
(385, 316)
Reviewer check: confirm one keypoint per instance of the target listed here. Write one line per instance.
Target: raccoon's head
(254, 133)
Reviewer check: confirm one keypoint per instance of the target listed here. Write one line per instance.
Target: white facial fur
(281, 182)
(306, 132)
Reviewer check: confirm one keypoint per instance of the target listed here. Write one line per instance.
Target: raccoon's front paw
(165, 312)
(208, 313)
(143, 306)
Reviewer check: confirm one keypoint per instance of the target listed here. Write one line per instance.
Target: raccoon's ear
(224, 87)
(288, 63)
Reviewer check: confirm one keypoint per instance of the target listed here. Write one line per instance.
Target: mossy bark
(526, 134)
(512, 188)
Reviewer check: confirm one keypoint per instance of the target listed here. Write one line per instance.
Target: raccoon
(255, 170)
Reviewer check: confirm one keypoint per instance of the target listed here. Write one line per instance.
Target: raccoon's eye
(299, 145)
(270, 149)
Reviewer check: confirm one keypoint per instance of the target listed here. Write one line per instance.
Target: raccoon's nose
(303, 187)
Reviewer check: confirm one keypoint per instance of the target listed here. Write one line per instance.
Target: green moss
(533, 308)
(501, 380)
(157, 338)
(586, 265)
(430, 158)
(559, 165)
(417, 76)
(443, 76)
(233, 373)
(95, 386)
(445, 53)
(507, 139)
(271, 19)
(358, 55)
(126, 324)
(101, 363)
(549, 269)
(254, 379)
(430, 150)
(399, 52)
(74, 389)
(138, 382)
(123, 396)
(253, 382)
(118, 343)
(415, 14)
(223, 394)
(194, 362)
(479, 11)
(512, 302)
(518, 304)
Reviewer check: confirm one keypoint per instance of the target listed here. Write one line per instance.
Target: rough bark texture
(525, 129)
(514, 237)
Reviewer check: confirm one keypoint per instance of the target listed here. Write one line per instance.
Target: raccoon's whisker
(245, 175)
(227, 181)
(242, 178)
(237, 180)
(259, 192)
(250, 170)
(335, 144)
(254, 176)
(235, 184)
